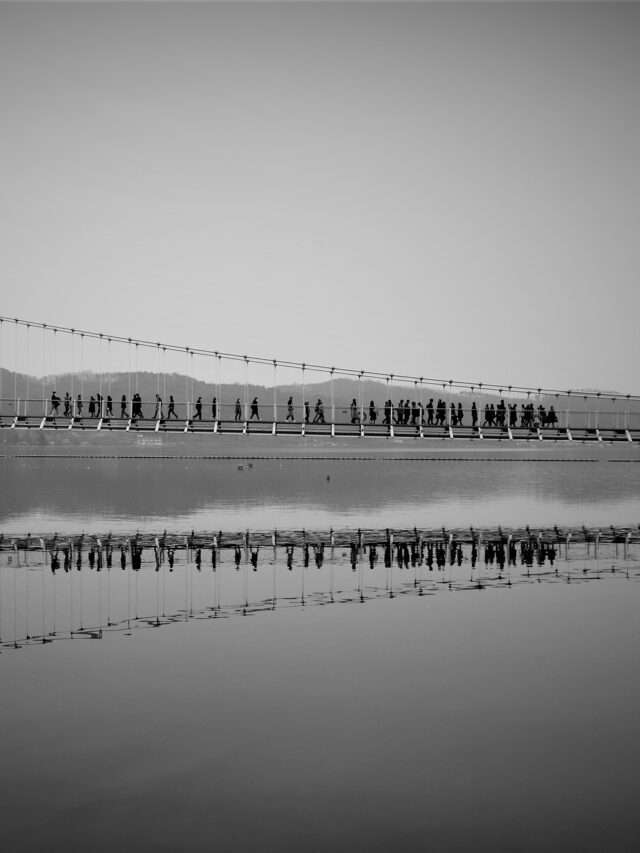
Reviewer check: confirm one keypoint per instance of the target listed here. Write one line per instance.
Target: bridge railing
(295, 416)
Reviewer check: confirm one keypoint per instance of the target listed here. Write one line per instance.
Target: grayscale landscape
(319, 426)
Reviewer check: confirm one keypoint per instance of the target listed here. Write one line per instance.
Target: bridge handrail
(267, 406)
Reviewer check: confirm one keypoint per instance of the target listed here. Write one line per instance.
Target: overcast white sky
(443, 190)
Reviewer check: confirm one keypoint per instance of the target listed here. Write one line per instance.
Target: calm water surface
(503, 719)
(48, 495)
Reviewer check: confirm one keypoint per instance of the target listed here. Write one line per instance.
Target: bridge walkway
(580, 433)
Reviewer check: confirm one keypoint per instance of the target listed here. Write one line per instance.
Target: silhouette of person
(254, 410)
(123, 407)
(542, 415)
(319, 413)
(238, 411)
(214, 409)
(157, 414)
(172, 408)
(198, 414)
(429, 408)
(290, 415)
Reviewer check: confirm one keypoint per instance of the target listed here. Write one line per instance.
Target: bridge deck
(339, 428)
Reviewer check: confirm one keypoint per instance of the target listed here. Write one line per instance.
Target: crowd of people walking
(406, 413)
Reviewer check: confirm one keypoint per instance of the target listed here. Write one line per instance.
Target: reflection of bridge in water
(93, 382)
(61, 587)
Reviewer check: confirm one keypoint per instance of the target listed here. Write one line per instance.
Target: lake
(472, 716)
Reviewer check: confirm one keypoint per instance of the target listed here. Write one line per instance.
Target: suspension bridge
(95, 382)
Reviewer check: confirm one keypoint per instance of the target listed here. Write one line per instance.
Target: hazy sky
(446, 190)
